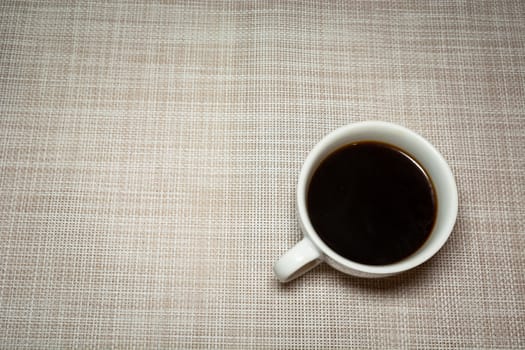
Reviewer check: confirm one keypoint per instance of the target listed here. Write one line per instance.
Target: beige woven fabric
(149, 153)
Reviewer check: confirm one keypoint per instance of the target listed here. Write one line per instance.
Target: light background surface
(149, 153)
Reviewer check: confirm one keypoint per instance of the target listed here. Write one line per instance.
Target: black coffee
(371, 203)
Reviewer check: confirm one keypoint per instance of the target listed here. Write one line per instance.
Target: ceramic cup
(311, 250)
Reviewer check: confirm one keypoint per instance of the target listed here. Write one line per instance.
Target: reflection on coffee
(372, 203)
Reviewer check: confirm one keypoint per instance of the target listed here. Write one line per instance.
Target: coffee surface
(371, 203)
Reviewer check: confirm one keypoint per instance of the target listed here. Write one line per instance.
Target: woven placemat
(149, 153)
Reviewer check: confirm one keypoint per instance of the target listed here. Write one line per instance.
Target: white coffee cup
(311, 250)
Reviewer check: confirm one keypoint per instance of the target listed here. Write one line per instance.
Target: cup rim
(325, 146)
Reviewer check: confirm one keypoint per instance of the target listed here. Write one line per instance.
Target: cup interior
(416, 147)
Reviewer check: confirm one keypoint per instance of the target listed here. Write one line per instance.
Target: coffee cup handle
(300, 259)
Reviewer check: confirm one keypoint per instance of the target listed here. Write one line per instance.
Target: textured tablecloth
(149, 153)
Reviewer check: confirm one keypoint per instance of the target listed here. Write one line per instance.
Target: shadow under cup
(313, 250)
